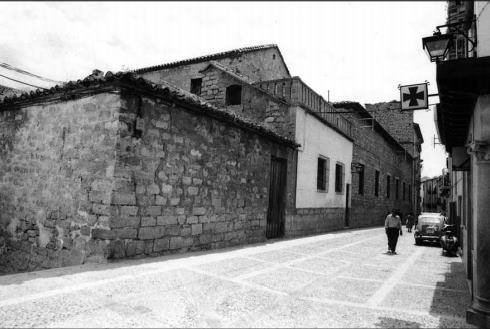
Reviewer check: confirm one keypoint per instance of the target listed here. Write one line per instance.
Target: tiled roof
(99, 82)
(220, 55)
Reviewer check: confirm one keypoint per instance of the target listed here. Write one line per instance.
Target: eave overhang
(460, 82)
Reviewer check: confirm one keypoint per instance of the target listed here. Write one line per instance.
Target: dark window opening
(339, 177)
(404, 186)
(397, 185)
(376, 183)
(321, 177)
(234, 95)
(388, 185)
(273, 56)
(196, 85)
(410, 192)
(361, 180)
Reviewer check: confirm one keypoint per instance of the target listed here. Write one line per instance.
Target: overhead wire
(16, 69)
(25, 83)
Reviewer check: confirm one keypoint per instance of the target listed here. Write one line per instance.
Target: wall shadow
(451, 297)
(385, 322)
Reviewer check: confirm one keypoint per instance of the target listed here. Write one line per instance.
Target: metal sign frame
(425, 84)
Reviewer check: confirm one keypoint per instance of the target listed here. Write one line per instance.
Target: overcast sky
(359, 51)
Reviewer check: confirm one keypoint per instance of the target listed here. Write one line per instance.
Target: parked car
(429, 227)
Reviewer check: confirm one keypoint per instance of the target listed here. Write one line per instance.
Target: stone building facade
(115, 167)
(382, 176)
(255, 83)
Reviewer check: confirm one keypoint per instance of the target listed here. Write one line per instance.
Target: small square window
(196, 85)
(234, 95)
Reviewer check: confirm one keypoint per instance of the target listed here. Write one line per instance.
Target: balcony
(296, 92)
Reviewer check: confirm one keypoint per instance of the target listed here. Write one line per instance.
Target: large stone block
(151, 233)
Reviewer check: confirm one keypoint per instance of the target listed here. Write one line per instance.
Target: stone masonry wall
(185, 181)
(256, 104)
(373, 151)
(110, 177)
(260, 65)
(56, 175)
(397, 122)
(306, 221)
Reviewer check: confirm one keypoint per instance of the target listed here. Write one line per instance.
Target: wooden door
(277, 193)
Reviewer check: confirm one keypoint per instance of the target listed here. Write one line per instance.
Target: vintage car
(429, 227)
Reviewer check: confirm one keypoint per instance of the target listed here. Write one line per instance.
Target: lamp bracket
(457, 28)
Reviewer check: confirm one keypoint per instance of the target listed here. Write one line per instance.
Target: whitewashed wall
(318, 139)
(482, 11)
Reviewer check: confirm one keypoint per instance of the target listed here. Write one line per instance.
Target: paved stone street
(341, 279)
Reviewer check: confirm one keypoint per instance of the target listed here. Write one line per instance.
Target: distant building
(434, 194)
(383, 169)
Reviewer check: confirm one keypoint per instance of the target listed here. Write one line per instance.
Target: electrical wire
(25, 83)
(12, 68)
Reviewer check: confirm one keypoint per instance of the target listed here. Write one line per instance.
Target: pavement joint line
(285, 264)
(395, 278)
(240, 282)
(381, 308)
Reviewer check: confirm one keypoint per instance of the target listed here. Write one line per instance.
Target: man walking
(393, 227)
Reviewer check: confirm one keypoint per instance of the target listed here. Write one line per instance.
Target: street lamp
(437, 46)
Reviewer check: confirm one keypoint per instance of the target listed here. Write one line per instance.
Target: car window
(431, 220)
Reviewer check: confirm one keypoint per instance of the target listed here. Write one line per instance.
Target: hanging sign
(414, 97)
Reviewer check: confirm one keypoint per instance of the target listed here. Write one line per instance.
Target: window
(196, 85)
(410, 192)
(376, 183)
(322, 174)
(388, 185)
(397, 185)
(234, 95)
(404, 191)
(361, 179)
(339, 177)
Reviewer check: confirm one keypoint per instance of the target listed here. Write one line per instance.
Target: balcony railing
(295, 91)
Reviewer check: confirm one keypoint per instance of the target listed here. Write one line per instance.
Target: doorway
(277, 192)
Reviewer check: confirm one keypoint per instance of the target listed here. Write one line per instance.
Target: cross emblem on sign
(414, 97)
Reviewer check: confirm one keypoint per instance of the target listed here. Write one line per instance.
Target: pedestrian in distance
(410, 222)
(393, 228)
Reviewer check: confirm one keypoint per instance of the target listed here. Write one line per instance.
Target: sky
(357, 51)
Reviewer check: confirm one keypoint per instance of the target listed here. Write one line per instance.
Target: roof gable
(225, 54)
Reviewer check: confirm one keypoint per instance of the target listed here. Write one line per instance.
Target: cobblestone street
(341, 279)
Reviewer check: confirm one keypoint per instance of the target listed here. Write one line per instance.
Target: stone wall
(397, 122)
(256, 104)
(258, 65)
(306, 221)
(56, 175)
(111, 176)
(376, 152)
(189, 182)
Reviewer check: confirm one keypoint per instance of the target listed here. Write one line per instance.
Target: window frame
(231, 92)
(377, 175)
(193, 85)
(361, 176)
(388, 186)
(326, 173)
(339, 181)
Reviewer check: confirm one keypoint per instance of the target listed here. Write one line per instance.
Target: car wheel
(418, 242)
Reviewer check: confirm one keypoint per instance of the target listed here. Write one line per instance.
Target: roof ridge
(175, 93)
(205, 57)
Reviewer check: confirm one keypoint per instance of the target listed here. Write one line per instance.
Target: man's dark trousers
(392, 233)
